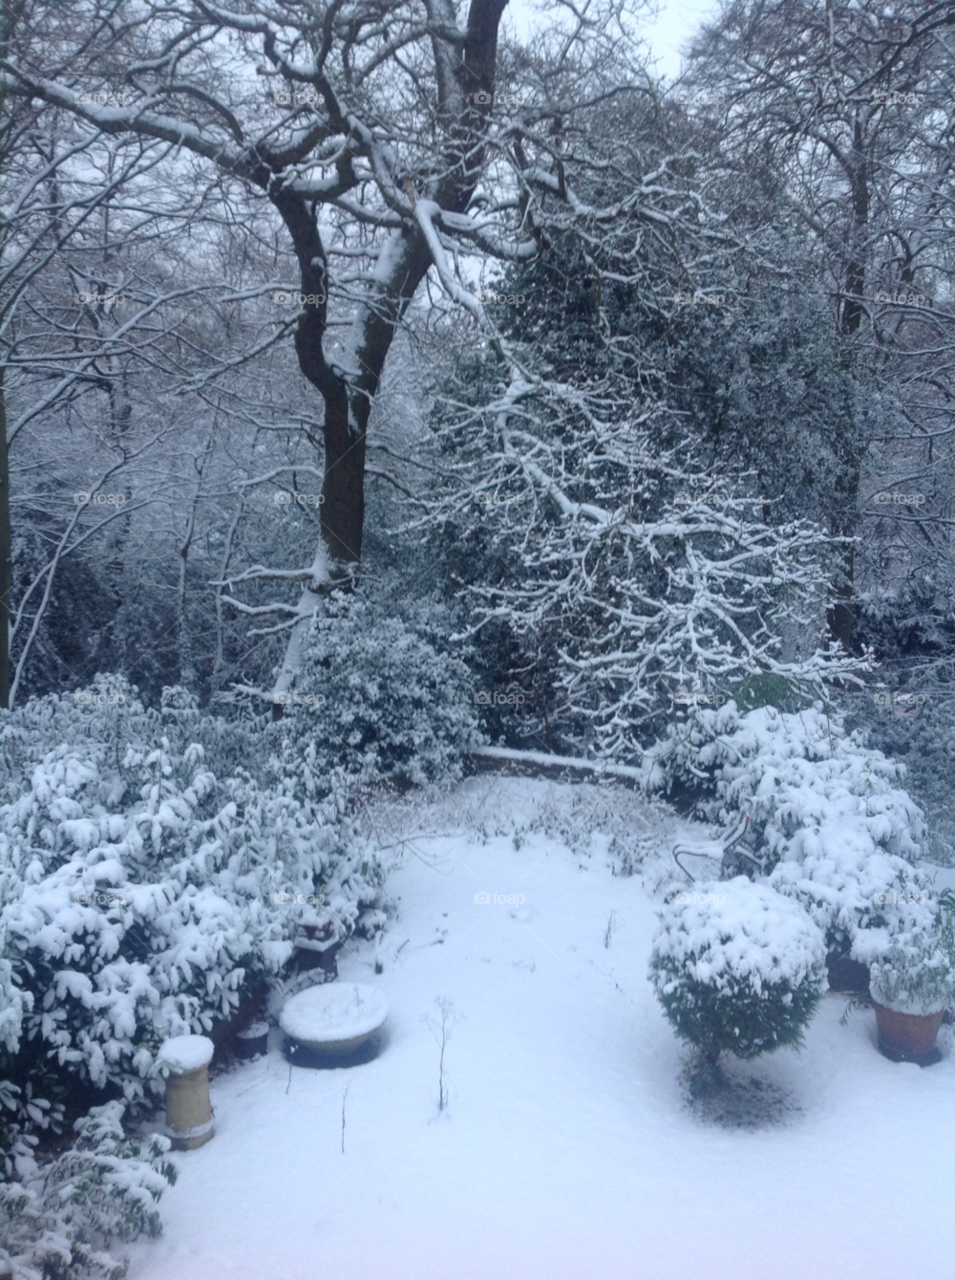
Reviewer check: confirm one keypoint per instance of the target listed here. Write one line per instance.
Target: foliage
(378, 700)
(146, 894)
(60, 1220)
(737, 968)
(916, 973)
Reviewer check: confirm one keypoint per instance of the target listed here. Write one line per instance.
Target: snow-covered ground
(567, 1151)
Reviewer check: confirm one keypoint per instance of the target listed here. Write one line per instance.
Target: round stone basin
(334, 1018)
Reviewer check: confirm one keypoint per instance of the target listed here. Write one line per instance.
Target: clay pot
(908, 1037)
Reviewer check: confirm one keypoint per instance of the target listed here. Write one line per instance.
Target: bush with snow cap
(831, 814)
(379, 700)
(916, 972)
(144, 894)
(63, 1218)
(737, 968)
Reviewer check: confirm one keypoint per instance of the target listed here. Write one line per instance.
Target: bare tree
(380, 137)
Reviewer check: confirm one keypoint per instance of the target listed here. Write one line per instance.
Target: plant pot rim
(253, 1031)
(910, 1013)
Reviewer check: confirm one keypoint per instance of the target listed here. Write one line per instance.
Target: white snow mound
(334, 1011)
(186, 1053)
(736, 927)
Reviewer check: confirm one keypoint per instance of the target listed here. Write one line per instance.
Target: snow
(253, 1031)
(734, 928)
(187, 1053)
(333, 1011)
(566, 1150)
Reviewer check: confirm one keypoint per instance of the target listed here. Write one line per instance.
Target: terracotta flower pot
(908, 1037)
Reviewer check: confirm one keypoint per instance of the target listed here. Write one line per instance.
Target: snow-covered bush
(830, 814)
(145, 895)
(861, 899)
(916, 972)
(59, 1221)
(922, 736)
(737, 968)
(380, 700)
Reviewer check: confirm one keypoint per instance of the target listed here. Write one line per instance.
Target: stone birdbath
(188, 1109)
(333, 1019)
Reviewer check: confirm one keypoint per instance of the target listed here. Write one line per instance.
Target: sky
(673, 26)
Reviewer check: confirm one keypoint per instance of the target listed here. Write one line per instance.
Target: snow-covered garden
(567, 1147)
(519, 944)
(477, 640)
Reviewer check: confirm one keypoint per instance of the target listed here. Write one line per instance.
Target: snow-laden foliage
(60, 1220)
(737, 967)
(376, 698)
(916, 972)
(913, 976)
(830, 814)
(146, 895)
(647, 576)
(919, 732)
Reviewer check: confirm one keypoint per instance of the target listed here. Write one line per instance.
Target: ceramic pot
(908, 1037)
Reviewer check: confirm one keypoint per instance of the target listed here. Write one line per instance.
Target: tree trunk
(839, 616)
(6, 548)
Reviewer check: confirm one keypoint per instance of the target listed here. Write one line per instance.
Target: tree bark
(6, 548)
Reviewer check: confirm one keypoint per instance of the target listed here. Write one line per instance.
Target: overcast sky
(666, 34)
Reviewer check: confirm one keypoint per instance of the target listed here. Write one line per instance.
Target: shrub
(379, 700)
(829, 814)
(916, 973)
(145, 895)
(61, 1219)
(860, 898)
(805, 783)
(737, 968)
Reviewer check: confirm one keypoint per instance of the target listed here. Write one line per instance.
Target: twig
(609, 930)
(344, 1096)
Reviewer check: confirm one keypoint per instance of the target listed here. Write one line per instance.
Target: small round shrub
(737, 967)
(379, 700)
